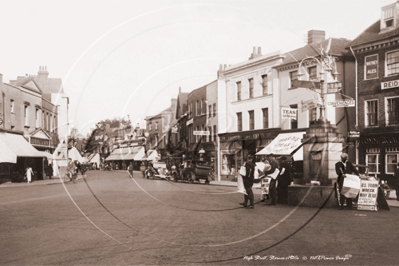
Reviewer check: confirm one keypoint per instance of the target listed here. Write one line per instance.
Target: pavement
(392, 202)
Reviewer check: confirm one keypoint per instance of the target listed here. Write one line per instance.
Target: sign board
(283, 144)
(368, 195)
(309, 105)
(341, 103)
(371, 66)
(201, 133)
(354, 134)
(334, 87)
(189, 122)
(390, 84)
(289, 113)
(41, 142)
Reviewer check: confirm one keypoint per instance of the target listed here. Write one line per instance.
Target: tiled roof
(372, 34)
(338, 47)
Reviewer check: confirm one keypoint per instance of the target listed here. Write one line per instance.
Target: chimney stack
(179, 89)
(254, 53)
(315, 36)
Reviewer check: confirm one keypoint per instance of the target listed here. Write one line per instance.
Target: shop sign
(248, 136)
(189, 122)
(368, 195)
(371, 66)
(389, 84)
(354, 134)
(334, 87)
(201, 133)
(310, 104)
(289, 113)
(341, 103)
(41, 142)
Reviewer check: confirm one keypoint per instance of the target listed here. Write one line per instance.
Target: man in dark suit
(342, 168)
(248, 182)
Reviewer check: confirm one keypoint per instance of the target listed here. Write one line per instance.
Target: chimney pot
(315, 36)
(220, 67)
(259, 50)
(224, 67)
(254, 52)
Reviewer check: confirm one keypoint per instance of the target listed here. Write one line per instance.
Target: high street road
(111, 219)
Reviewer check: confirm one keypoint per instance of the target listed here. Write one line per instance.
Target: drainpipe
(357, 105)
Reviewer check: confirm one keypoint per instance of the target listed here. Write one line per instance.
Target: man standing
(130, 170)
(248, 182)
(29, 174)
(272, 187)
(342, 168)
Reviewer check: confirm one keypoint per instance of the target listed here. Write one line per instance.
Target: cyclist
(71, 168)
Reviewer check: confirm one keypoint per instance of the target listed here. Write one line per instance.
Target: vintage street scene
(199, 132)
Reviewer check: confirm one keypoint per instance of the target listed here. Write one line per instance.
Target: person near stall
(248, 180)
(342, 168)
(284, 180)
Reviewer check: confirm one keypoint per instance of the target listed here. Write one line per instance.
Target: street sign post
(334, 87)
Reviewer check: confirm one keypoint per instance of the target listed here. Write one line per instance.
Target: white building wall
(56, 98)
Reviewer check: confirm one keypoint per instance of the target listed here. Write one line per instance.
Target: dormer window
(387, 19)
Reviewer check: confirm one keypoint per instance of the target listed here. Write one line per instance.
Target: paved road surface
(111, 219)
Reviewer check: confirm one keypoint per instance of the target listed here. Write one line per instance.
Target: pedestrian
(342, 168)
(29, 174)
(396, 175)
(284, 180)
(50, 170)
(273, 184)
(248, 182)
(130, 170)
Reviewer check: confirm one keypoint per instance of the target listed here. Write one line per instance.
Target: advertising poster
(368, 195)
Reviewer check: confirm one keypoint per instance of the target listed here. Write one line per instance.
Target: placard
(371, 65)
(368, 195)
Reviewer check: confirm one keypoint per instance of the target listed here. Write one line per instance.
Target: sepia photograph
(199, 132)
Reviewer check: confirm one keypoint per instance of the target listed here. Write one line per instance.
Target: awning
(47, 154)
(130, 153)
(13, 146)
(284, 144)
(153, 156)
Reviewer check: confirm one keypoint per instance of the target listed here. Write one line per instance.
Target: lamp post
(327, 65)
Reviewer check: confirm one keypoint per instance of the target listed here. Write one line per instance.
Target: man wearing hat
(342, 168)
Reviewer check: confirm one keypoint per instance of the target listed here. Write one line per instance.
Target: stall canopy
(95, 159)
(153, 154)
(131, 153)
(13, 146)
(74, 154)
(285, 144)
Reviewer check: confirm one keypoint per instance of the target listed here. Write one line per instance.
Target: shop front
(120, 158)
(235, 147)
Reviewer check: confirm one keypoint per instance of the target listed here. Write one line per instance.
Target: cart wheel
(66, 178)
(192, 179)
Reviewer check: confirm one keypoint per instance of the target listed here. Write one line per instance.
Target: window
(214, 109)
(371, 113)
(48, 122)
(239, 121)
(392, 63)
(251, 120)
(26, 114)
(210, 111)
(203, 106)
(156, 125)
(12, 106)
(392, 111)
(387, 18)
(196, 136)
(150, 126)
(293, 76)
(55, 123)
(264, 84)
(312, 73)
(209, 137)
(372, 161)
(294, 121)
(238, 91)
(251, 88)
(43, 121)
(51, 123)
(198, 109)
(265, 112)
(37, 118)
(391, 159)
(214, 133)
(312, 115)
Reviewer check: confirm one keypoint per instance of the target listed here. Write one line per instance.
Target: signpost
(368, 195)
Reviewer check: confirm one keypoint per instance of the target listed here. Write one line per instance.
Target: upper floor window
(392, 107)
(55, 123)
(251, 88)
(150, 126)
(239, 121)
(387, 18)
(210, 111)
(12, 103)
(156, 125)
(264, 84)
(392, 63)
(26, 114)
(265, 112)
(198, 109)
(371, 113)
(312, 73)
(48, 122)
(203, 106)
(214, 133)
(37, 118)
(293, 76)
(238, 91)
(251, 120)
(294, 121)
(51, 123)
(214, 109)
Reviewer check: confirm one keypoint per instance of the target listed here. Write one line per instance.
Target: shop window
(391, 159)
(392, 63)
(251, 88)
(392, 107)
(239, 121)
(265, 113)
(228, 164)
(238, 91)
(264, 84)
(312, 73)
(372, 161)
(293, 76)
(251, 120)
(371, 113)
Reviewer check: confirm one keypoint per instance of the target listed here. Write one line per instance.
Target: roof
(181, 102)
(372, 34)
(338, 47)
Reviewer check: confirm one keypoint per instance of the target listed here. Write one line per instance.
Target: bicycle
(68, 177)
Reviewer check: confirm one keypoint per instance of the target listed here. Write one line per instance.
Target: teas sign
(368, 195)
(289, 113)
(371, 65)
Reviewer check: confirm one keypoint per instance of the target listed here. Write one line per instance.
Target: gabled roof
(337, 48)
(372, 34)
(29, 84)
(40, 133)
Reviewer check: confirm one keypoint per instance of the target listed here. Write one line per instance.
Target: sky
(128, 58)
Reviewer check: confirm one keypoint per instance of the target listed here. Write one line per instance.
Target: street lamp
(327, 65)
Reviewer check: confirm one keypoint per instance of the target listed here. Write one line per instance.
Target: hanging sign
(310, 104)
(371, 66)
(289, 113)
(368, 195)
(201, 133)
(334, 87)
(341, 103)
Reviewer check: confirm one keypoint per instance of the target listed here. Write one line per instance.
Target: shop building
(181, 120)
(377, 56)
